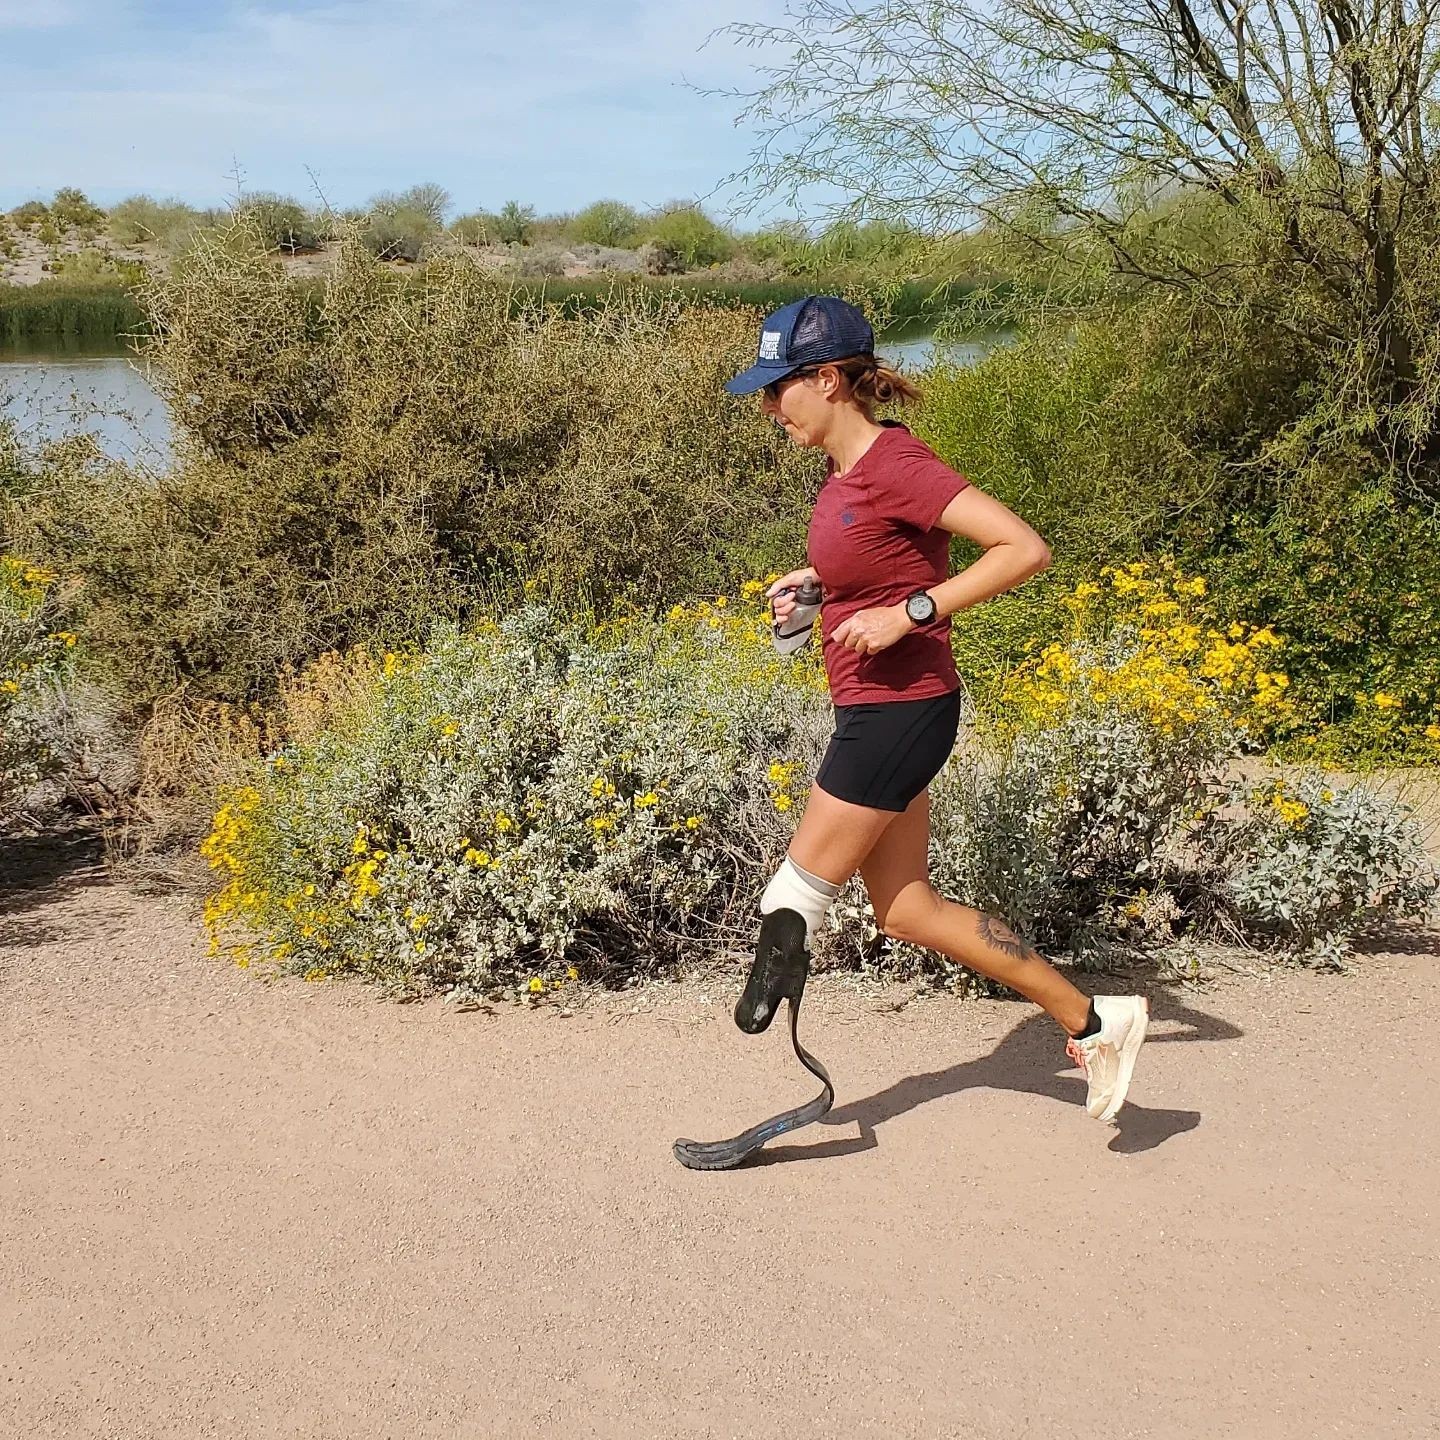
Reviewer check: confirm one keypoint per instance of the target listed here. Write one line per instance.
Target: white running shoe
(1108, 1057)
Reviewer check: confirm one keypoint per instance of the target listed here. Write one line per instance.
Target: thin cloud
(554, 103)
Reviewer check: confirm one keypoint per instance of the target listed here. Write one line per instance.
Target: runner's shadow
(1024, 1061)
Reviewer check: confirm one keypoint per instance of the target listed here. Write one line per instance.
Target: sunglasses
(773, 389)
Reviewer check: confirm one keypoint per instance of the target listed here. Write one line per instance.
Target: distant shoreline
(55, 313)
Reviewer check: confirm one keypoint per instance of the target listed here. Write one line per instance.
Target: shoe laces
(1078, 1053)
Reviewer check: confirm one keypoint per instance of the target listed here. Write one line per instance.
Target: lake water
(108, 396)
(49, 395)
(915, 350)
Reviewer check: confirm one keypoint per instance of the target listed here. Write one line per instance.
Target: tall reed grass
(68, 313)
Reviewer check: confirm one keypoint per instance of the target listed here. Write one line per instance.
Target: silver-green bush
(518, 800)
(1310, 863)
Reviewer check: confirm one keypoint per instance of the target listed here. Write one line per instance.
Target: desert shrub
(355, 462)
(557, 230)
(657, 260)
(683, 237)
(169, 223)
(1104, 747)
(72, 209)
(529, 800)
(1102, 435)
(98, 267)
(281, 223)
(537, 262)
(1351, 572)
(519, 801)
(1068, 805)
(477, 228)
(786, 244)
(400, 226)
(399, 234)
(1310, 863)
(30, 214)
(610, 223)
(612, 259)
(34, 657)
(1152, 431)
(846, 245)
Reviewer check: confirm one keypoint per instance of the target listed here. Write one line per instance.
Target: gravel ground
(233, 1208)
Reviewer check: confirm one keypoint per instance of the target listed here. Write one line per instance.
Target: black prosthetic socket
(781, 965)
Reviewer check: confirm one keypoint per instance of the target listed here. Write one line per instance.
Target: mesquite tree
(1275, 154)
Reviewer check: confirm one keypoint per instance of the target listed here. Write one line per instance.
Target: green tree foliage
(1125, 435)
(685, 238)
(359, 461)
(608, 222)
(514, 223)
(1276, 161)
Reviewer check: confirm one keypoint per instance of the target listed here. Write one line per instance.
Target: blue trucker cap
(804, 332)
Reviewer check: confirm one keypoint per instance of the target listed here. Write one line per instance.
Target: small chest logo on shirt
(847, 517)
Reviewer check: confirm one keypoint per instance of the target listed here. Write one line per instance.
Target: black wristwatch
(920, 607)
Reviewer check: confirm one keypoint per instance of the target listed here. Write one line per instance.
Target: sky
(554, 103)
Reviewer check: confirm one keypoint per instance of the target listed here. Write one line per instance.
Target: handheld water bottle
(793, 634)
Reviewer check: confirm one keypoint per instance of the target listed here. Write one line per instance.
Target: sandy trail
(237, 1209)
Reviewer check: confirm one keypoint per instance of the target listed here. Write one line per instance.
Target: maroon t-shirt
(873, 541)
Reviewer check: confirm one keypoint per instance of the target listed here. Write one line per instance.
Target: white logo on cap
(769, 344)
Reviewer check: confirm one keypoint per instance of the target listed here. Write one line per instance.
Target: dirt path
(233, 1209)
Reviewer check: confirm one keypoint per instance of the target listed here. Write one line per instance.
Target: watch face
(920, 608)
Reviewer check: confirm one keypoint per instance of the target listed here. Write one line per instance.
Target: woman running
(879, 545)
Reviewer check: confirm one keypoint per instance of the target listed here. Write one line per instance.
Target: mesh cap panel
(829, 331)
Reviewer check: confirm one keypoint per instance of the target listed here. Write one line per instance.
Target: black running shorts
(882, 756)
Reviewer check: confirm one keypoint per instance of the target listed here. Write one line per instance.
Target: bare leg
(834, 836)
(907, 907)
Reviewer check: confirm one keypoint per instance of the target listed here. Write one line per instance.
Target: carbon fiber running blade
(727, 1154)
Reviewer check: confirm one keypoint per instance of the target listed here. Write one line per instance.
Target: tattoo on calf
(999, 936)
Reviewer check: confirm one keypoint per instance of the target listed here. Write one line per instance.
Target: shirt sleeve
(915, 486)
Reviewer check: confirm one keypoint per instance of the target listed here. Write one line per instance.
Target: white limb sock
(799, 890)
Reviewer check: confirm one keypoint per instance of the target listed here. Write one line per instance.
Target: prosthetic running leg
(782, 962)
